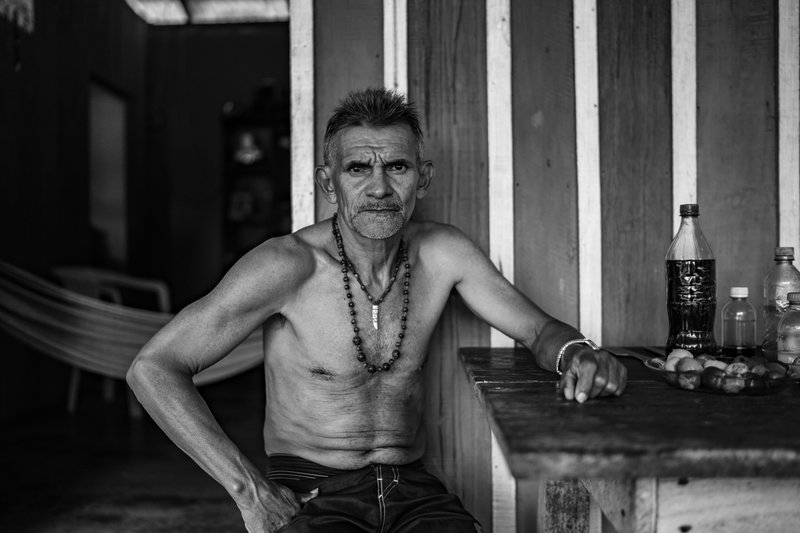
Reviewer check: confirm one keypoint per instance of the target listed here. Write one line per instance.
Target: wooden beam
(789, 124)
(301, 31)
(500, 144)
(587, 130)
(684, 106)
(395, 45)
(504, 492)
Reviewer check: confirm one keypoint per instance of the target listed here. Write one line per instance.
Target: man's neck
(373, 259)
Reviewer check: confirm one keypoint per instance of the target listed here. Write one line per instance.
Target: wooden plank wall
(734, 175)
(446, 77)
(737, 140)
(635, 164)
(545, 225)
(348, 55)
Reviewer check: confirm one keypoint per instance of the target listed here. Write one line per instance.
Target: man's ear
(426, 173)
(322, 176)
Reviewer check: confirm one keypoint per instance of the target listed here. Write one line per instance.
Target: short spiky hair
(375, 106)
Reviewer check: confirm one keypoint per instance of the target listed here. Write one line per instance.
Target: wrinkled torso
(321, 403)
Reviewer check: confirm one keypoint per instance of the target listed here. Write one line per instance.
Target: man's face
(376, 178)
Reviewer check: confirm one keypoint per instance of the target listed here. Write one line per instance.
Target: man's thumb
(308, 496)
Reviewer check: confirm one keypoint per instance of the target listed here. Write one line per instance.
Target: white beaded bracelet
(588, 342)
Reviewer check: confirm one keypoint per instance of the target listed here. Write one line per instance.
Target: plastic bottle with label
(781, 279)
(789, 331)
(739, 325)
(691, 287)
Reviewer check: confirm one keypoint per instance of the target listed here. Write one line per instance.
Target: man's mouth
(380, 209)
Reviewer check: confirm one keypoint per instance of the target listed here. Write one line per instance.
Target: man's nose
(379, 184)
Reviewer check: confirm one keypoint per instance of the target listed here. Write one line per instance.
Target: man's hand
(590, 374)
(275, 507)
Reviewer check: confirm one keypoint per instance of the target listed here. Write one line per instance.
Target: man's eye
(398, 168)
(357, 169)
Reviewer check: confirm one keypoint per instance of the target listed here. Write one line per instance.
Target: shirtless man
(347, 307)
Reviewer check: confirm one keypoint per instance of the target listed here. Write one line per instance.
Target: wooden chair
(109, 286)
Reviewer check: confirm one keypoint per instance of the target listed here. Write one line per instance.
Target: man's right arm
(200, 335)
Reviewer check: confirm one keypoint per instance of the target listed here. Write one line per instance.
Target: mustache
(388, 205)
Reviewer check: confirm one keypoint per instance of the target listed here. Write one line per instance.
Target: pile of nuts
(725, 374)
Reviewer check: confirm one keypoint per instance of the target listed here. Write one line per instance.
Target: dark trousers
(378, 498)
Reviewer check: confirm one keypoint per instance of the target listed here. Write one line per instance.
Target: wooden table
(655, 459)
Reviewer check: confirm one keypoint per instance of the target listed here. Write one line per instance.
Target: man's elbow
(135, 374)
(152, 370)
(144, 370)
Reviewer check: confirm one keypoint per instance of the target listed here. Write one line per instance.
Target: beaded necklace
(402, 256)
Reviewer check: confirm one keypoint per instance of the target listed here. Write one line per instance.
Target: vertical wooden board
(545, 204)
(789, 123)
(301, 113)
(348, 55)
(683, 67)
(587, 150)
(447, 80)
(635, 163)
(471, 451)
(615, 498)
(736, 131)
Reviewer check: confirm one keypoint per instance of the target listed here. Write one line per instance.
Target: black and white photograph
(399, 266)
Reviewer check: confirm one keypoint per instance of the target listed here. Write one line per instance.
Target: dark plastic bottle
(691, 287)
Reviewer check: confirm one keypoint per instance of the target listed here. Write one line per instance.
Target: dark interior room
(157, 152)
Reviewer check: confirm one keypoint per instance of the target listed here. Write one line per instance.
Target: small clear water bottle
(739, 325)
(789, 331)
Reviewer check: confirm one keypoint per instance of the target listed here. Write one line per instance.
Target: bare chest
(340, 334)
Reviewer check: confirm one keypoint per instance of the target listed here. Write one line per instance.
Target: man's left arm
(585, 373)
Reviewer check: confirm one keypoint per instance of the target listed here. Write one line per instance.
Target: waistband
(299, 474)
(287, 467)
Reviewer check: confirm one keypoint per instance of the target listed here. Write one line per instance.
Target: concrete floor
(100, 471)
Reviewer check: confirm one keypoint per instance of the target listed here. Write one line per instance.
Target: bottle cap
(739, 292)
(793, 297)
(690, 210)
(784, 252)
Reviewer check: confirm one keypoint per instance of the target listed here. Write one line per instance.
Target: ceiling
(180, 12)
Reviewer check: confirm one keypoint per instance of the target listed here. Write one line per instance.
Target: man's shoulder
(438, 237)
(290, 258)
(429, 231)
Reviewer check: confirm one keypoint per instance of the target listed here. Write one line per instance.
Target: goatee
(379, 224)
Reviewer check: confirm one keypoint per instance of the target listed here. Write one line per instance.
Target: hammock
(92, 334)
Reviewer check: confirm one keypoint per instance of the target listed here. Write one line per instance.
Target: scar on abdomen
(322, 373)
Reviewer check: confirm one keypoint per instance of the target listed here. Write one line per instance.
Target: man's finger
(602, 378)
(623, 380)
(303, 497)
(567, 385)
(585, 383)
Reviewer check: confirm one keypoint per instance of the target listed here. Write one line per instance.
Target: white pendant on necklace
(374, 316)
